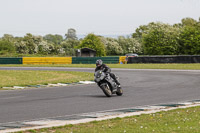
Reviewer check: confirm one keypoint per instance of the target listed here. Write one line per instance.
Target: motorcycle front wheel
(107, 91)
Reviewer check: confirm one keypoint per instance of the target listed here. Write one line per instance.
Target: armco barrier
(92, 60)
(10, 60)
(165, 59)
(47, 60)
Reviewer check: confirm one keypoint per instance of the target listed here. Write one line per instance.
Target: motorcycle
(107, 84)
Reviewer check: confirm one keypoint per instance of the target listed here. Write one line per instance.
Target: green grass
(195, 66)
(174, 121)
(24, 77)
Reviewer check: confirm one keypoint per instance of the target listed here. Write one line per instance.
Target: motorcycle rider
(106, 69)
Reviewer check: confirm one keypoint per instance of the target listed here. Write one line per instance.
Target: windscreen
(98, 74)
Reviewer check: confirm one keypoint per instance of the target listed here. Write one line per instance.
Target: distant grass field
(24, 77)
(174, 121)
(195, 66)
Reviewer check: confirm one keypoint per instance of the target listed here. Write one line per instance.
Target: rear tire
(107, 91)
(119, 92)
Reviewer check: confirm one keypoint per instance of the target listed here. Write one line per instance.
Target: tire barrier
(47, 60)
(165, 59)
(92, 60)
(10, 60)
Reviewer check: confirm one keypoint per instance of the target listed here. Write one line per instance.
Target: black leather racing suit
(106, 69)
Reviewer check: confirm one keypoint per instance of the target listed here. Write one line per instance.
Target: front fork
(103, 84)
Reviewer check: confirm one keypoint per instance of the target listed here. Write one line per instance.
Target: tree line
(155, 38)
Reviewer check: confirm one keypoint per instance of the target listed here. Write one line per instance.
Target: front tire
(107, 91)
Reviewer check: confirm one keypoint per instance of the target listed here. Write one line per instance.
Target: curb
(93, 116)
(49, 85)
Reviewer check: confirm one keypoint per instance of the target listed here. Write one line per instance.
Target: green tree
(112, 46)
(8, 37)
(190, 40)
(21, 47)
(46, 48)
(94, 42)
(188, 22)
(31, 44)
(6, 47)
(130, 45)
(140, 30)
(69, 46)
(7, 44)
(161, 39)
(71, 34)
(55, 39)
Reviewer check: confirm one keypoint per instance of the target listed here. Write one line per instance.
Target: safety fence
(61, 60)
(165, 59)
(92, 60)
(107, 60)
(47, 60)
(10, 60)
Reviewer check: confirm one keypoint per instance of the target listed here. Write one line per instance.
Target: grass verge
(195, 66)
(24, 77)
(175, 121)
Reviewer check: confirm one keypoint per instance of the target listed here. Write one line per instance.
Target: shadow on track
(98, 96)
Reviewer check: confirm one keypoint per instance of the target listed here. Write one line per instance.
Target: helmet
(99, 62)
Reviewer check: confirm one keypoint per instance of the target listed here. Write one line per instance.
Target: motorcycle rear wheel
(119, 92)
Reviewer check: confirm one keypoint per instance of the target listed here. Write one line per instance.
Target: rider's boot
(118, 84)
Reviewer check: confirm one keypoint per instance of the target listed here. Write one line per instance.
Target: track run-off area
(141, 87)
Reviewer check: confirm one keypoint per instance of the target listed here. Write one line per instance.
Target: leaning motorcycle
(107, 84)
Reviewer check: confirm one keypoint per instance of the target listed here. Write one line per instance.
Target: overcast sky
(102, 17)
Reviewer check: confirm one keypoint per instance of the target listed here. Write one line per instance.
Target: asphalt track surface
(141, 87)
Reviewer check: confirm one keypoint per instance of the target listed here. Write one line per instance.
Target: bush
(130, 45)
(6, 46)
(190, 40)
(161, 39)
(69, 46)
